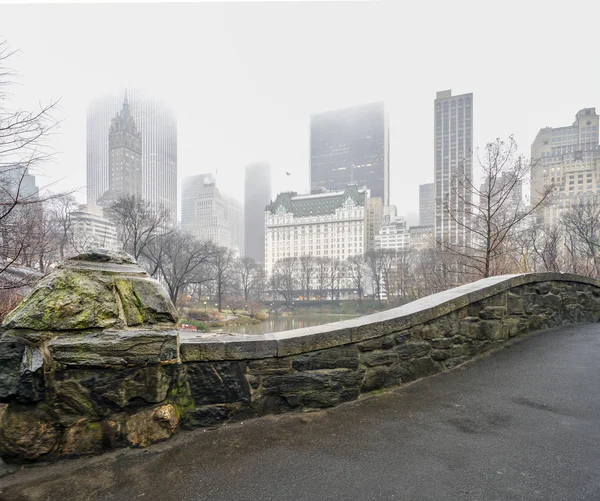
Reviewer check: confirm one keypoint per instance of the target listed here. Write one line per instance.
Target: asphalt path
(520, 424)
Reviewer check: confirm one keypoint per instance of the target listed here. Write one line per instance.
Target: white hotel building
(330, 225)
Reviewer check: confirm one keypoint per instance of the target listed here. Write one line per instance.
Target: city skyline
(244, 101)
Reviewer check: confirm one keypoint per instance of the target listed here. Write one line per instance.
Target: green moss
(132, 306)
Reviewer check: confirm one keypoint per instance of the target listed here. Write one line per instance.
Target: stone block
(331, 358)
(85, 437)
(151, 425)
(413, 349)
(443, 343)
(271, 366)
(486, 330)
(379, 357)
(217, 382)
(378, 343)
(440, 354)
(377, 378)
(128, 347)
(12, 350)
(206, 415)
(422, 367)
(26, 435)
(492, 312)
(514, 304)
(294, 383)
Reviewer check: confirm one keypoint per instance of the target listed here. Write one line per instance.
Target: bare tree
(374, 261)
(179, 260)
(334, 276)
(24, 147)
(307, 272)
(250, 275)
(283, 278)
(322, 267)
(582, 223)
(138, 223)
(356, 270)
(487, 216)
(222, 263)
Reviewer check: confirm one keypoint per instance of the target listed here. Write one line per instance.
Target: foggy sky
(244, 78)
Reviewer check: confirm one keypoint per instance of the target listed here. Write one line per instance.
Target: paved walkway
(522, 424)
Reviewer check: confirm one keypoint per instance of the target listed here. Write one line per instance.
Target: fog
(244, 78)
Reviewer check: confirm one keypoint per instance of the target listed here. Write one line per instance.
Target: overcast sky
(244, 78)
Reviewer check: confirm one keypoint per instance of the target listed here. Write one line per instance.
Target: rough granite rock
(151, 425)
(96, 290)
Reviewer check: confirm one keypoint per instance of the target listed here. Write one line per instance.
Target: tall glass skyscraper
(157, 125)
(453, 164)
(351, 145)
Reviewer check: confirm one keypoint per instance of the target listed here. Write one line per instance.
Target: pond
(277, 323)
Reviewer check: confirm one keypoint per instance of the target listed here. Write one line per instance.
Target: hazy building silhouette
(393, 234)
(453, 119)
(426, 204)
(124, 157)
(211, 215)
(157, 126)
(373, 219)
(351, 146)
(568, 158)
(257, 195)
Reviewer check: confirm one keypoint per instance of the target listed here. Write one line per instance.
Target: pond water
(277, 323)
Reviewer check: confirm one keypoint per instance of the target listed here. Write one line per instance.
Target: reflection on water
(277, 323)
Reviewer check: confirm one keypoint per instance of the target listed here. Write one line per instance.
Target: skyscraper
(569, 158)
(426, 204)
(453, 118)
(157, 126)
(257, 197)
(211, 215)
(124, 157)
(351, 146)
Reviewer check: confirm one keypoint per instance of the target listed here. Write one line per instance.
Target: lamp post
(205, 307)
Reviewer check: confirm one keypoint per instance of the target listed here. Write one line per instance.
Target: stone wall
(97, 393)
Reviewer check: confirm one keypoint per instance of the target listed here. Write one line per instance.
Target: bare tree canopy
(24, 147)
(493, 211)
(138, 223)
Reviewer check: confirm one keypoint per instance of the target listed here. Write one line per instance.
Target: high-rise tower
(453, 118)
(351, 146)
(157, 126)
(124, 157)
(257, 197)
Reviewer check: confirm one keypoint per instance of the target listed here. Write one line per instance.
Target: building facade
(426, 204)
(208, 214)
(373, 220)
(453, 163)
(329, 225)
(90, 229)
(157, 126)
(569, 159)
(351, 146)
(421, 237)
(393, 234)
(124, 157)
(257, 195)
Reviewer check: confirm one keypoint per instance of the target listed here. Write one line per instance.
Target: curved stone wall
(91, 399)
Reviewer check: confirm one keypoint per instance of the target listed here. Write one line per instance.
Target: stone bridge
(91, 360)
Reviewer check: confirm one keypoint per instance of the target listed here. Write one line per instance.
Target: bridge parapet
(88, 398)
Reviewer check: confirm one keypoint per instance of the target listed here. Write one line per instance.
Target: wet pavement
(520, 424)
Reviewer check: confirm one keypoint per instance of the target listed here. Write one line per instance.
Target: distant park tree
(138, 223)
(223, 273)
(283, 279)
(179, 260)
(357, 272)
(250, 276)
(307, 272)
